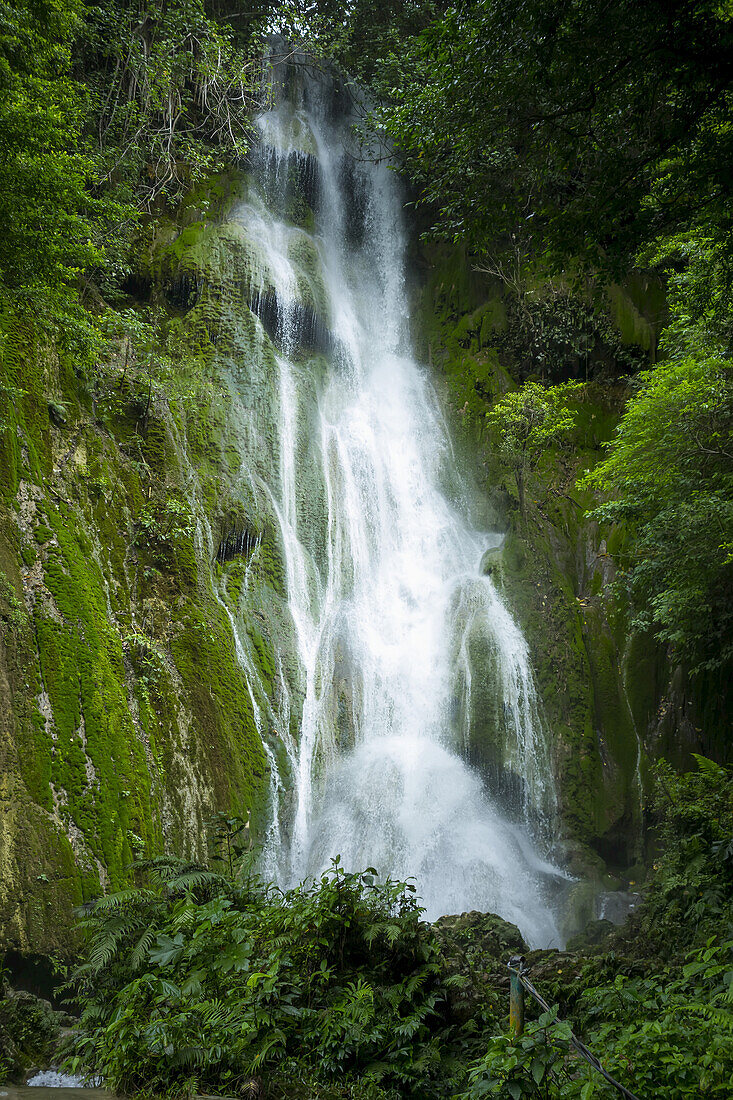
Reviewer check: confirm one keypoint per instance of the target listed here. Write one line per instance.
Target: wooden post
(516, 998)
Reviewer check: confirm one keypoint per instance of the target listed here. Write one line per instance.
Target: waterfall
(401, 646)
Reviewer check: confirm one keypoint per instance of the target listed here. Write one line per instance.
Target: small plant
(527, 1066)
(164, 530)
(229, 839)
(526, 422)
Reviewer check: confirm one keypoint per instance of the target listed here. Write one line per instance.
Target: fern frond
(121, 898)
(721, 1017)
(277, 1038)
(140, 951)
(189, 1056)
(190, 880)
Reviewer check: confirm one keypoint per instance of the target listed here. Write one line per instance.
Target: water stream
(403, 648)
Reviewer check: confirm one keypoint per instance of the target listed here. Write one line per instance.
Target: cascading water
(393, 625)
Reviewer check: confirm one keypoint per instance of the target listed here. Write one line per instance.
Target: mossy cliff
(603, 687)
(127, 715)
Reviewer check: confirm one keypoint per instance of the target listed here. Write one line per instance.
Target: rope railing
(520, 982)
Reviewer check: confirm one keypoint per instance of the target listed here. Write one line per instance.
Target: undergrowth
(204, 982)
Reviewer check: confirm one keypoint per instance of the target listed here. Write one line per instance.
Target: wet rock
(28, 1032)
(594, 933)
(491, 560)
(486, 932)
(476, 948)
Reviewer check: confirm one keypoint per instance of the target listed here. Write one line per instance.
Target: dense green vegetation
(107, 108)
(669, 471)
(200, 981)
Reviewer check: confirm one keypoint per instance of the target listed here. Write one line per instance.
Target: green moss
(270, 562)
(639, 309)
(306, 260)
(217, 254)
(263, 655)
(206, 659)
(96, 754)
(24, 423)
(108, 731)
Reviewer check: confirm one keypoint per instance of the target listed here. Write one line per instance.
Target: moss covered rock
(29, 1032)
(137, 671)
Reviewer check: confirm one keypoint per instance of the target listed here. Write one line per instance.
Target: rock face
(29, 1032)
(127, 713)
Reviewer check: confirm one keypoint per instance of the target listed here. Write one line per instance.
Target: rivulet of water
(393, 625)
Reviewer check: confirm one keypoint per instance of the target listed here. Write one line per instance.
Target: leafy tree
(526, 422)
(527, 1066)
(173, 91)
(669, 473)
(45, 204)
(229, 838)
(103, 108)
(558, 335)
(588, 127)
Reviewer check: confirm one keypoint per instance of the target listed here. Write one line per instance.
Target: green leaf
(538, 1070)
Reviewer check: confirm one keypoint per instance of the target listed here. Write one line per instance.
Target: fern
(720, 1016)
(141, 949)
(106, 945)
(121, 899)
(189, 1056)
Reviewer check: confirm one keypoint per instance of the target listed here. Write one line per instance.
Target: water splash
(54, 1079)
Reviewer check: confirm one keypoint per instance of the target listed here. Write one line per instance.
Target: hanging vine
(174, 90)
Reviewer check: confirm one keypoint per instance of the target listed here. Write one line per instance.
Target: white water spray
(393, 623)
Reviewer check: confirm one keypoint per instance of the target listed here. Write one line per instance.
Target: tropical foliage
(104, 108)
(587, 127)
(198, 981)
(46, 206)
(669, 473)
(526, 422)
